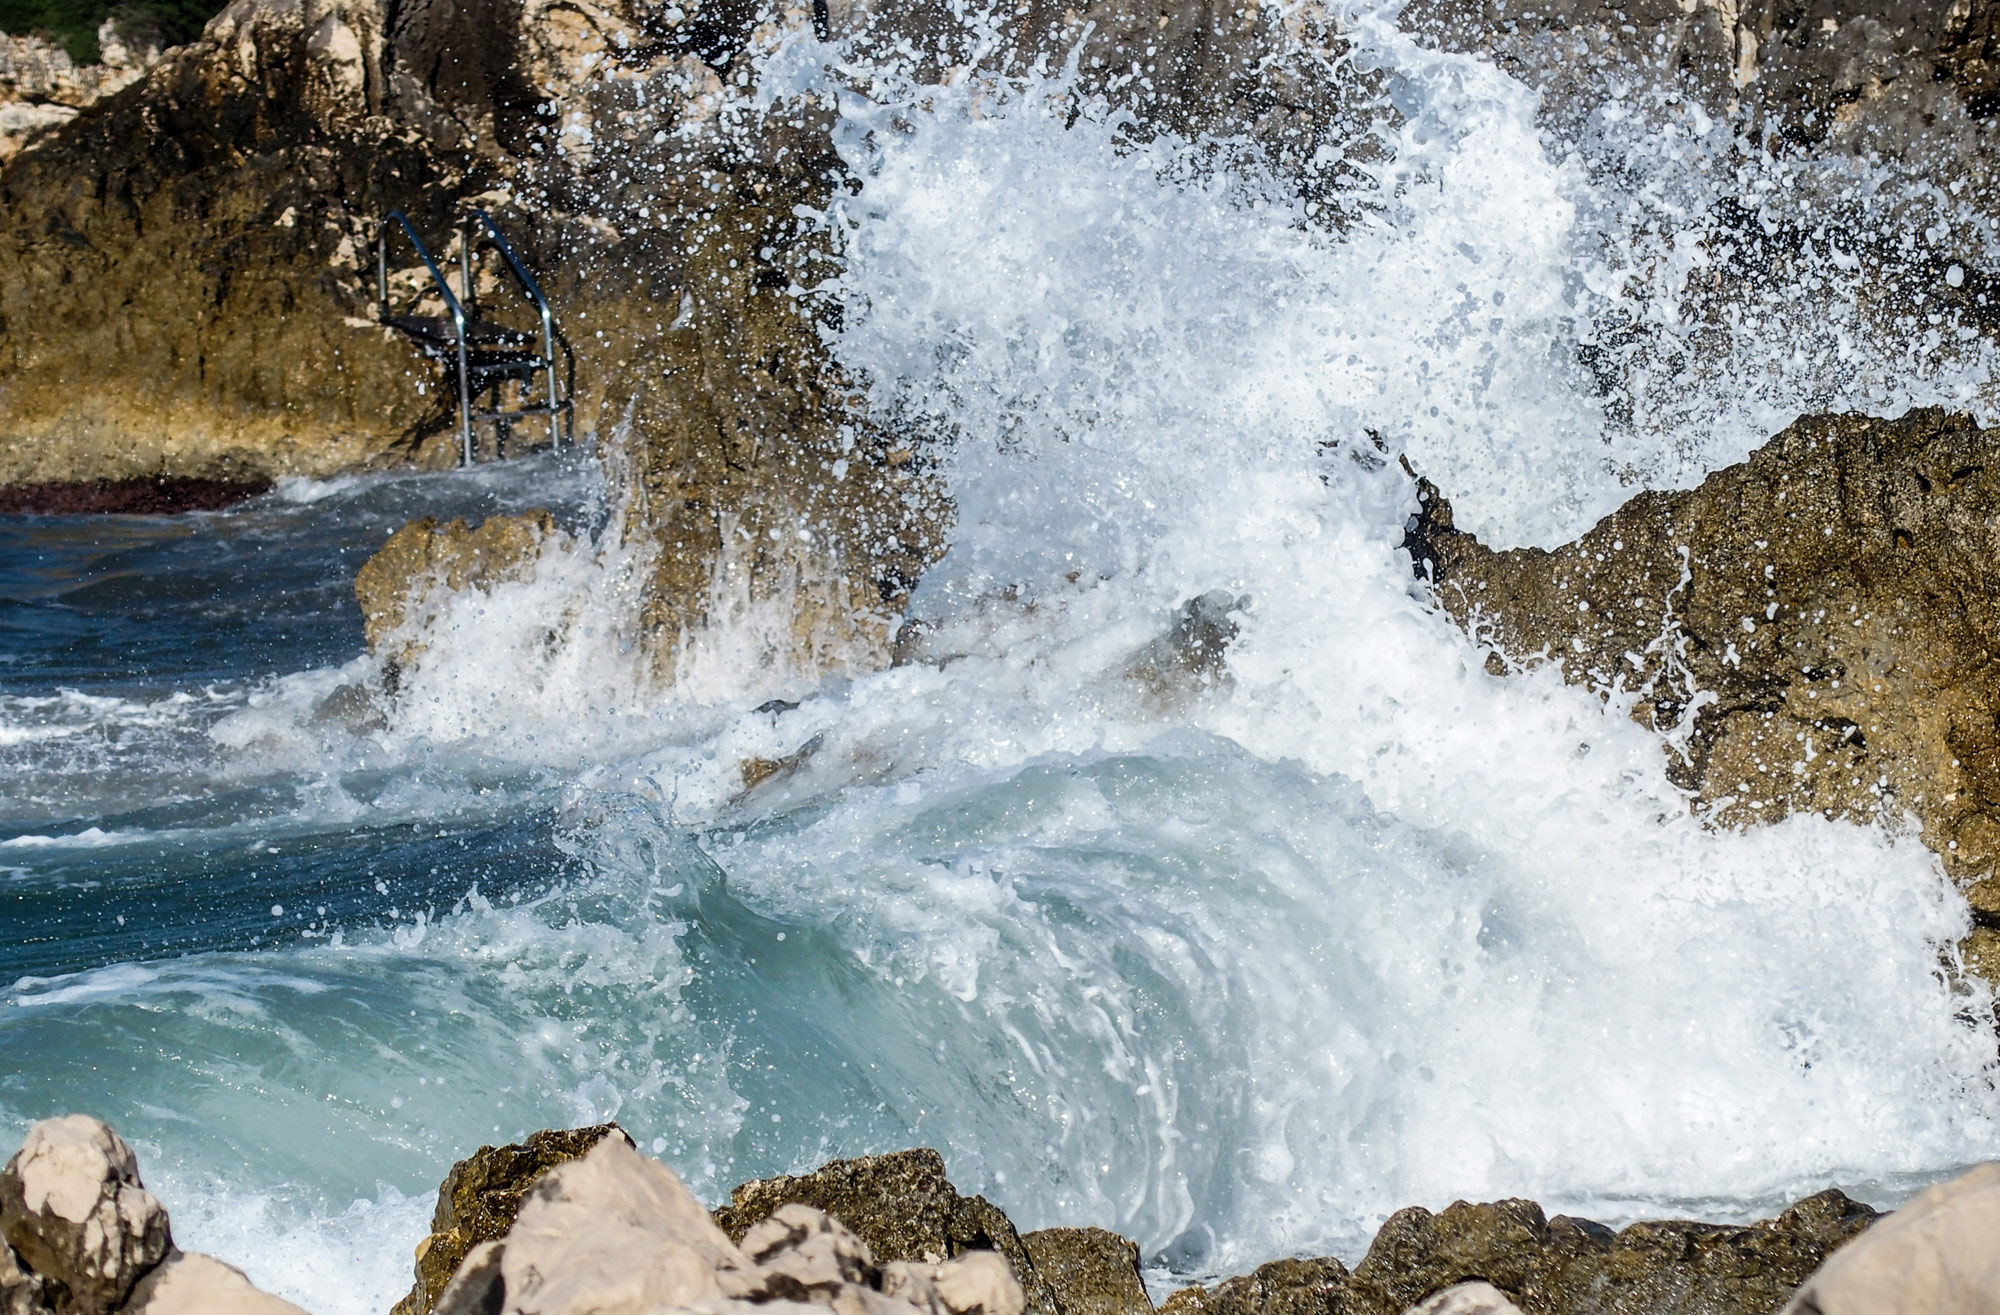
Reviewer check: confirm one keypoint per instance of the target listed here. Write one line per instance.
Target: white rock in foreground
(1466, 1299)
(81, 1235)
(616, 1233)
(1938, 1255)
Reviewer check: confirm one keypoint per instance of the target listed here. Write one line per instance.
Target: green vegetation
(74, 23)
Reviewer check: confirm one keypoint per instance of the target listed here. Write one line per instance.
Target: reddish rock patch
(126, 497)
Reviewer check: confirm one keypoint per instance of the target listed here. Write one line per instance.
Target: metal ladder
(480, 355)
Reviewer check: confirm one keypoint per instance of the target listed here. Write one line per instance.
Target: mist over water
(1235, 967)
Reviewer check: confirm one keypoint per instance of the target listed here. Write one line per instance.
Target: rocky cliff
(1815, 629)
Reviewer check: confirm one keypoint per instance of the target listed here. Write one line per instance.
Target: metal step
(477, 354)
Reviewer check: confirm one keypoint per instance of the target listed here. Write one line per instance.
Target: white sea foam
(1236, 968)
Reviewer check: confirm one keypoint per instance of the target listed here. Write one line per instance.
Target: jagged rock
(425, 556)
(81, 1235)
(1467, 1299)
(615, 1232)
(192, 1284)
(1819, 620)
(1938, 1255)
(806, 1255)
(1092, 1271)
(903, 1207)
(1559, 1266)
(74, 1212)
(480, 1198)
(611, 1231)
(41, 87)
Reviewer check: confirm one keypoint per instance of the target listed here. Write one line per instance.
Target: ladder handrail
(551, 335)
(458, 315)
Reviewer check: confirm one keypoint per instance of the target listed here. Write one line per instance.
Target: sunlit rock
(479, 1199)
(1811, 628)
(81, 1235)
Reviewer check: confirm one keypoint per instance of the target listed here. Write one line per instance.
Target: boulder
(75, 1213)
(616, 1233)
(902, 1207)
(480, 1197)
(1938, 1255)
(81, 1235)
(1092, 1271)
(426, 557)
(1813, 627)
(1559, 1266)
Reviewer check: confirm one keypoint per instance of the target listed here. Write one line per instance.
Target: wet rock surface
(616, 1231)
(81, 1235)
(1559, 1266)
(1815, 628)
(902, 1207)
(157, 496)
(480, 1198)
(1092, 1271)
(427, 557)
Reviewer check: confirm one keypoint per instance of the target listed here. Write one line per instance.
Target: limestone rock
(1092, 1271)
(424, 556)
(1938, 1255)
(1559, 1266)
(73, 1210)
(616, 1233)
(806, 1255)
(1818, 620)
(189, 1284)
(81, 1235)
(611, 1232)
(902, 1206)
(480, 1197)
(1467, 1299)
(41, 87)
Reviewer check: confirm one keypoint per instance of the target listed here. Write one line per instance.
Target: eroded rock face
(1559, 1266)
(81, 1235)
(42, 88)
(480, 1198)
(616, 1232)
(1819, 623)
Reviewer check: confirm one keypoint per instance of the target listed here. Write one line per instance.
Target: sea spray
(1237, 968)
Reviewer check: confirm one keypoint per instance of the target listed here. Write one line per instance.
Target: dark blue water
(123, 639)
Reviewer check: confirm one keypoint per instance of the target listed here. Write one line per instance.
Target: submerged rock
(480, 1198)
(1559, 1266)
(81, 1235)
(1813, 627)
